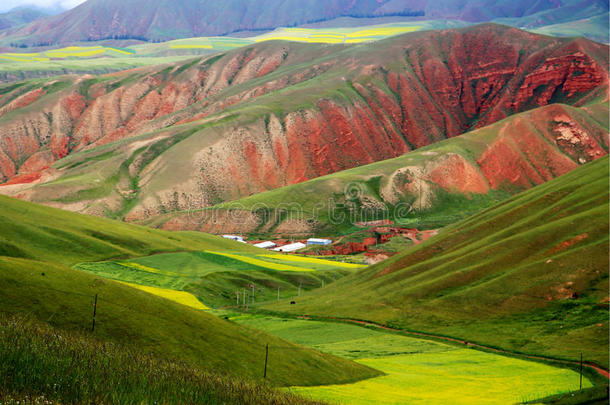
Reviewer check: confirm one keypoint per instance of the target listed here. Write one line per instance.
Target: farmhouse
(265, 245)
(291, 247)
(316, 241)
(236, 238)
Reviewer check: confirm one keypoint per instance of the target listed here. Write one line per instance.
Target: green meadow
(417, 371)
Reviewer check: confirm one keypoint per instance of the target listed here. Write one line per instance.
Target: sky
(6, 5)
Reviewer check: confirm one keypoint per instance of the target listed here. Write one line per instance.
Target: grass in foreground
(418, 371)
(37, 361)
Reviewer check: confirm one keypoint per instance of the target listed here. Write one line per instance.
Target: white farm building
(293, 247)
(316, 241)
(265, 245)
(235, 238)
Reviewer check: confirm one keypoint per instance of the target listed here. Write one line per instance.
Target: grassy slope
(45, 234)
(595, 28)
(43, 365)
(37, 245)
(447, 207)
(528, 275)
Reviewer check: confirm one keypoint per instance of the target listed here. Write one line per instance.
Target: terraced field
(68, 52)
(205, 45)
(337, 35)
(215, 277)
(417, 371)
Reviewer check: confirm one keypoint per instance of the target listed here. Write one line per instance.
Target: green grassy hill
(595, 28)
(39, 243)
(41, 364)
(31, 231)
(528, 275)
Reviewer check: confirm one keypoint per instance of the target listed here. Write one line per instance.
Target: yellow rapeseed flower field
(312, 260)
(263, 263)
(181, 297)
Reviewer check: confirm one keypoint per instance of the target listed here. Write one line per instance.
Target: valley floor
(416, 370)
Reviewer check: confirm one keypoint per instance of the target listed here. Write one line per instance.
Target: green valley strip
(418, 371)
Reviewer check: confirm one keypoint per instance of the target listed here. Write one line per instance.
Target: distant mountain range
(163, 19)
(20, 16)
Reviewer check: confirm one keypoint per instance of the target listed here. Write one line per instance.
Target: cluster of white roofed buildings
(291, 247)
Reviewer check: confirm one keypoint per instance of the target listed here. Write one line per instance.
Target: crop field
(67, 58)
(68, 52)
(417, 371)
(215, 277)
(337, 35)
(180, 297)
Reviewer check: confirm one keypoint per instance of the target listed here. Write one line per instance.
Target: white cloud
(6, 5)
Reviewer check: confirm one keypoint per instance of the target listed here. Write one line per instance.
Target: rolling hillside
(595, 28)
(272, 114)
(19, 16)
(431, 187)
(136, 19)
(39, 243)
(528, 275)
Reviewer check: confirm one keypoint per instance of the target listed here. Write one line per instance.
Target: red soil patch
(454, 173)
(23, 179)
(568, 243)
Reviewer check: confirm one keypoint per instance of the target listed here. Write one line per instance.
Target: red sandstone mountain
(274, 114)
(446, 180)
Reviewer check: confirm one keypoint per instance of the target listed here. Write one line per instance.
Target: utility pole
(94, 313)
(420, 182)
(244, 297)
(266, 357)
(252, 294)
(237, 293)
(300, 286)
(278, 293)
(581, 371)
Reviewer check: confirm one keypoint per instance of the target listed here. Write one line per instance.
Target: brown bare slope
(274, 114)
